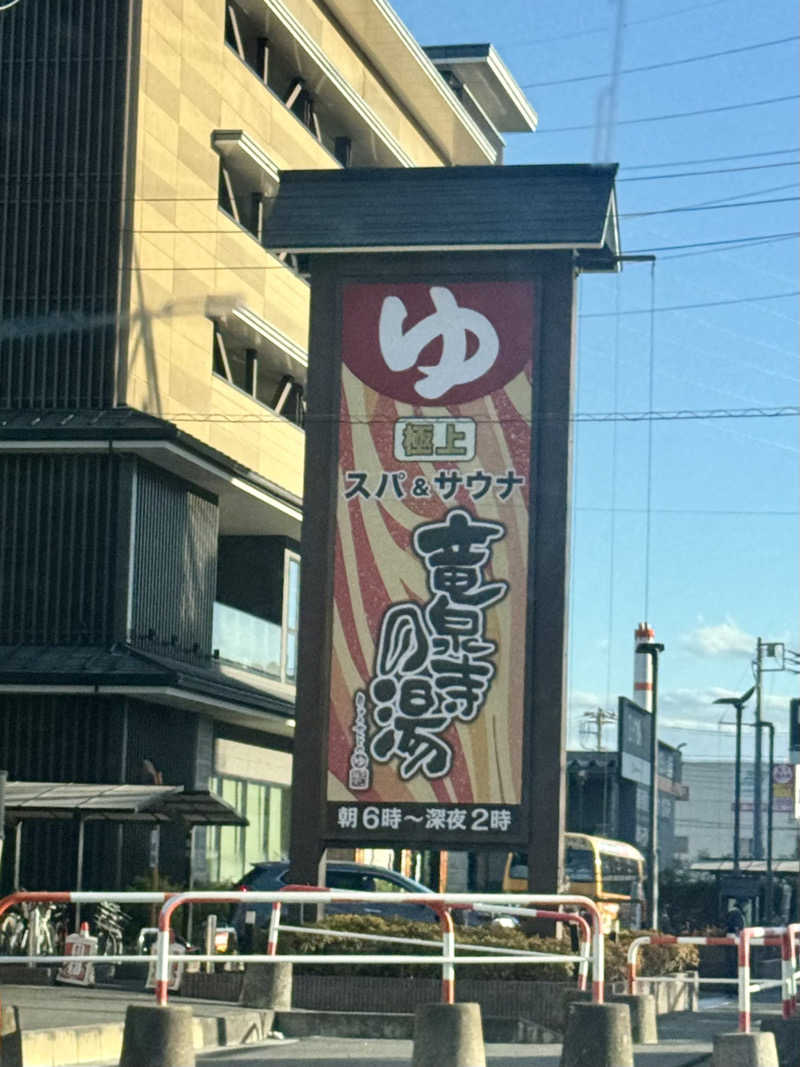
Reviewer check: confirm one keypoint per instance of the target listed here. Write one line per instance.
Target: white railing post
(274, 928)
(743, 975)
(448, 950)
(162, 965)
(33, 933)
(210, 942)
(598, 963)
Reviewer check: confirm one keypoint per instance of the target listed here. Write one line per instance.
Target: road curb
(71, 1045)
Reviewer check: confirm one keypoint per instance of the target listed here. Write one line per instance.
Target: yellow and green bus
(607, 871)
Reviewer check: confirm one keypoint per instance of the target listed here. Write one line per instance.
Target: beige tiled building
(153, 374)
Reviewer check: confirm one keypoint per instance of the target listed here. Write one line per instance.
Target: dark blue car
(340, 874)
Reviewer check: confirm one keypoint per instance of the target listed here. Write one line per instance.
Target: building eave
(378, 30)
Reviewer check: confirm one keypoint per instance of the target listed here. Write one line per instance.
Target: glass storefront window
(232, 850)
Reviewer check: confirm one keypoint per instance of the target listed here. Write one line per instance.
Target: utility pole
(770, 887)
(652, 649)
(591, 735)
(593, 722)
(784, 659)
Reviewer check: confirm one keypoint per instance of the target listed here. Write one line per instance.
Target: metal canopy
(746, 866)
(117, 803)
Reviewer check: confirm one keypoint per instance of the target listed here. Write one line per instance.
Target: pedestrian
(735, 920)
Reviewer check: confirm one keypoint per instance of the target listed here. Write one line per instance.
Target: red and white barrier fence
(80, 897)
(441, 903)
(782, 936)
(591, 934)
(789, 972)
(571, 918)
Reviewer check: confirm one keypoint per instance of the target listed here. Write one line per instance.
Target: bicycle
(15, 929)
(110, 921)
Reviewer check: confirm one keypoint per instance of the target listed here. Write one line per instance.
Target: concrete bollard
(10, 1037)
(787, 1039)
(157, 1035)
(448, 1035)
(644, 1028)
(599, 1035)
(744, 1050)
(267, 985)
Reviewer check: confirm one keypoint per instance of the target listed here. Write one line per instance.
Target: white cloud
(581, 700)
(724, 639)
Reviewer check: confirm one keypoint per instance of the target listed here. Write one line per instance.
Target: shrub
(652, 960)
(307, 944)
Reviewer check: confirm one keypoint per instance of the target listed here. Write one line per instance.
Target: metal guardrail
(441, 903)
(782, 936)
(482, 908)
(590, 933)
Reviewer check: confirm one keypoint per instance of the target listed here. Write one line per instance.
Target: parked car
(340, 874)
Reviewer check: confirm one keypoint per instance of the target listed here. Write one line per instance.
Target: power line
(604, 29)
(713, 159)
(679, 114)
(698, 173)
(725, 512)
(686, 307)
(742, 244)
(744, 196)
(26, 178)
(711, 206)
(705, 206)
(660, 66)
(283, 266)
(764, 237)
(588, 416)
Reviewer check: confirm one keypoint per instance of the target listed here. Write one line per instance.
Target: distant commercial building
(704, 825)
(153, 360)
(602, 802)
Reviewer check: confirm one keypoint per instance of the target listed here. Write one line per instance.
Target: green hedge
(652, 960)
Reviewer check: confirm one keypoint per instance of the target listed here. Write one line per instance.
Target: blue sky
(722, 564)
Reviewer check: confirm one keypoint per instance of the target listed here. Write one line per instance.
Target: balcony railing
(252, 642)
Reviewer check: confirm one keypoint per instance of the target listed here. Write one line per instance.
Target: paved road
(355, 1052)
(686, 1041)
(686, 1037)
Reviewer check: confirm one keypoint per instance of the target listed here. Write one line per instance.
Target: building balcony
(256, 644)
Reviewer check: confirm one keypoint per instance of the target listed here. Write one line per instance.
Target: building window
(233, 850)
(238, 199)
(277, 62)
(257, 607)
(261, 370)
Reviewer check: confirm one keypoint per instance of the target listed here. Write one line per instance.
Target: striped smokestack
(643, 667)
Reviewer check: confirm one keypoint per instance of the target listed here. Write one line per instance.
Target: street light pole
(738, 703)
(770, 808)
(769, 887)
(652, 649)
(758, 842)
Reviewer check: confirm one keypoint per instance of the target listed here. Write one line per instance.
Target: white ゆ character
(450, 322)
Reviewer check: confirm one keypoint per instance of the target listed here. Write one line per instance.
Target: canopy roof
(117, 803)
(747, 866)
(547, 208)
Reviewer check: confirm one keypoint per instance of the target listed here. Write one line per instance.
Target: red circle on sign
(441, 342)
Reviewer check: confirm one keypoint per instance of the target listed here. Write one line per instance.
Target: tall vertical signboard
(430, 595)
(431, 673)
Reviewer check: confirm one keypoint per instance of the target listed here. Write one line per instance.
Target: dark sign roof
(569, 206)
